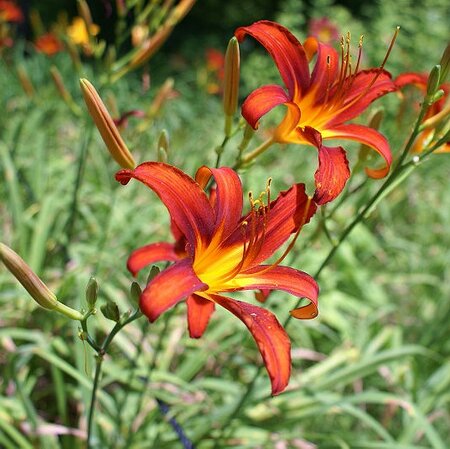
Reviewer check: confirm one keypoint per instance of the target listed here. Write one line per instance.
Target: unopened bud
(165, 92)
(150, 47)
(433, 81)
(135, 292)
(105, 124)
(33, 284)
(111, 311)
(92, 292)
(231, 82)
(154, 271)
(65, 94)
(25, 81)
(445, 65)
(180, 11)
(232, 71)
(85, 13)
(163, 146)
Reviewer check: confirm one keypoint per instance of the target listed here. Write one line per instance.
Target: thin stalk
(98, 369)
(253, 154)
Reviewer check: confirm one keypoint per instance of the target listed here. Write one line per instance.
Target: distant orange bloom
(10, 12)
(49, 44)
(215, 66)
(440, 107)
(324, 30)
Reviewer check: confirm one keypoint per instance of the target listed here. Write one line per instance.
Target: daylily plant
(217, 250)
(319, 103)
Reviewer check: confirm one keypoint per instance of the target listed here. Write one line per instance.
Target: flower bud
(433, 81)
(135, 292)
(65, 94)
(105, 124)
(231, 82)
(91, 292)
(33, 284)
(25, 81)
(154, 271)
(111, 311)
(163, 146)
(445, 65)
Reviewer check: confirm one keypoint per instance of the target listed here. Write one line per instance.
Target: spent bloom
(218, 250)
(319, 103)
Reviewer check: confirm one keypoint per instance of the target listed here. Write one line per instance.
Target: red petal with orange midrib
(272, 340)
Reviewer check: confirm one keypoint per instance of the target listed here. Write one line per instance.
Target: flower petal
(286, 51)
(187, 203)
(332, 173)
(168, 288)
(199, 313)
(359, 95)
(272, 340)
(367, 136)
(261, 101)
(227, 199)
(325, 71)
(287, 279)
(154, 252)
(418, 79)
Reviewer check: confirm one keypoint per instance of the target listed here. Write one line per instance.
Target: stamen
(360, 45)
(292, 243)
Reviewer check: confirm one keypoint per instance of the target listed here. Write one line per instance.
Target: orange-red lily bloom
(48, 44)
(435, 113)
(318, 103)
(218, 250)
(10, 12)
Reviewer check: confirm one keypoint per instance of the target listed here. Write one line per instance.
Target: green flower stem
(253, 154)
(101, 351)
(220, 149)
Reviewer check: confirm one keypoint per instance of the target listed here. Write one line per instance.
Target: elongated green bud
(33, 284)
(445, 65)
(231, 82)
(433, 81)
(163, 146)
(135, 292)
(92, 292)
(105, 124)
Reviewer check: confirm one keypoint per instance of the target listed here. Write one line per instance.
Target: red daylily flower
(48, 44)
(435, 113)
(217, 250)
(318, 103)
(10, 12)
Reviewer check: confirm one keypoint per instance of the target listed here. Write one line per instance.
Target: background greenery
(372, 371)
